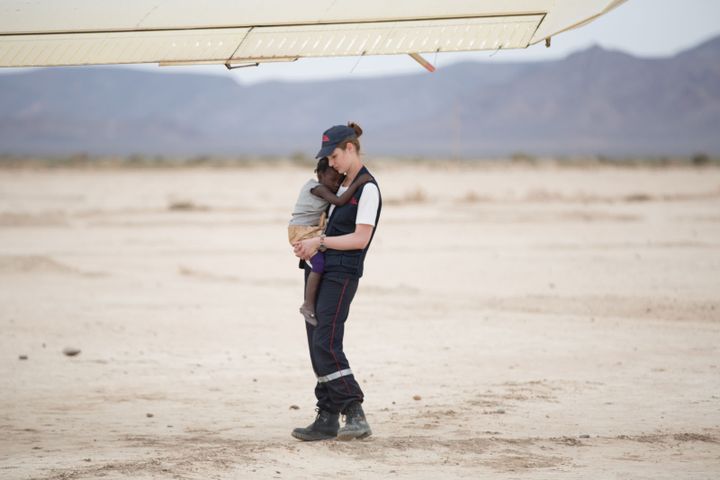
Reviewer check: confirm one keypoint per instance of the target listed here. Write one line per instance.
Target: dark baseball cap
(332, 137)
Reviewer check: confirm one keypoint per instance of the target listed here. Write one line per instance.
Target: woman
(346, 240)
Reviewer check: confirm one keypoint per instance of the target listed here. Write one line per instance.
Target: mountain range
(595, 101)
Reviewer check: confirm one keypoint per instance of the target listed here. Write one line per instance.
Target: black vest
(342, 222)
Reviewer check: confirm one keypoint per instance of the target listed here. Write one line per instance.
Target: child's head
(327, 175)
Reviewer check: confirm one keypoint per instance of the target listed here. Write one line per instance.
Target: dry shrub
(185, 206)
(541, 195)
(416, 196)
(638, 197)
(472, 197)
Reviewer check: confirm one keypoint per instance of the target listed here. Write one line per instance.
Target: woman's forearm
(351, 241)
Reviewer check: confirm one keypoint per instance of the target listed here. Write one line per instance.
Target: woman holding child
(349, 231)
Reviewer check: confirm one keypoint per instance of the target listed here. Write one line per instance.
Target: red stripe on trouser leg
(332, 335)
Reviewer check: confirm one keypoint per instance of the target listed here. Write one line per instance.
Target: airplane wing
(178, 32)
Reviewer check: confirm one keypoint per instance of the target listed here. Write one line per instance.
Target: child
(308, 220)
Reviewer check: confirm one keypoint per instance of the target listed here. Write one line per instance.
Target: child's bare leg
(311, 290)
(308, 307)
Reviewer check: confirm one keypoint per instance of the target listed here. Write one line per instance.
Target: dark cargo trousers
(336, 387)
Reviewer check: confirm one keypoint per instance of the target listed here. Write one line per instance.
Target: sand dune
(37, 264)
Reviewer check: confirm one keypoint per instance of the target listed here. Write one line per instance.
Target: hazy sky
(639, 27)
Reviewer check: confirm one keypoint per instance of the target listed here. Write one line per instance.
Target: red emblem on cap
(326, 138)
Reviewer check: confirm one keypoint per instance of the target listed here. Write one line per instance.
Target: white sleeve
(368, 205)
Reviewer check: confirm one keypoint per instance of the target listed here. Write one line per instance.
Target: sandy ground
(513, 322)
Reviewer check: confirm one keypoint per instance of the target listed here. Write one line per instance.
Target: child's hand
(305, 248)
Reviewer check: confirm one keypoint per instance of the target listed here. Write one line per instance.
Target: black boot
(324, 427)
(356, 426)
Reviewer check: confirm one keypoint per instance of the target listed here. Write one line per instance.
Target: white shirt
(367, 206)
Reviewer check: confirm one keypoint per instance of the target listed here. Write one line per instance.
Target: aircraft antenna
(357, 62)
(418, 58)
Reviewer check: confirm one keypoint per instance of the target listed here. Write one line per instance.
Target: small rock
(149, 415)
(87, 459)
(294, 407)
(417, 397)
(254, 379)
(71, 351)
(584, 435)
(22, 357)
(500, 411)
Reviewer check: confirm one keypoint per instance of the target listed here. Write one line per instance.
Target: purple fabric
(318, 262)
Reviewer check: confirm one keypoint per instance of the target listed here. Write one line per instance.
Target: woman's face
(340, 159)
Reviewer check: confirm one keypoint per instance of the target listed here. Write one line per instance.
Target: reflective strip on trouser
(334, 376)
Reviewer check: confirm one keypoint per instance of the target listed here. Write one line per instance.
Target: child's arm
(325, 193)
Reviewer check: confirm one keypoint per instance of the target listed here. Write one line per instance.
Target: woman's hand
(305, 248)
(357, 240)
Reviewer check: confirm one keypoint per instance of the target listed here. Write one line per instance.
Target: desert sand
(514, 321)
